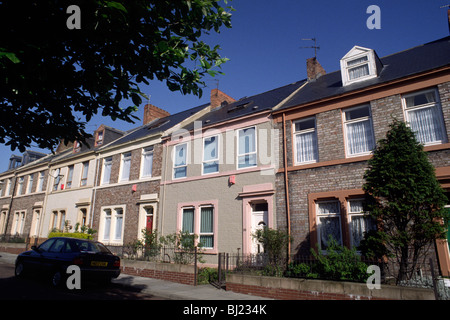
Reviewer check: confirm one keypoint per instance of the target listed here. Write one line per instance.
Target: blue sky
(264, 45)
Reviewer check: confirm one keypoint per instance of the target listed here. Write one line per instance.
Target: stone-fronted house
(218, 181)
(332, 125)
(126, 195)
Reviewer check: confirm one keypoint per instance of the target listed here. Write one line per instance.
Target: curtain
(329, 226)
(126, 161)
(359, 137)
(119, 222)
(148, 163)
(107, 170)
(358, 72)
(207, 226)
(359, 225)
(188, 221)
(107, 226)
(306, 144)
(426, 124)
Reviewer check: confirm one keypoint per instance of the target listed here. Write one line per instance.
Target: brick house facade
(331, 182)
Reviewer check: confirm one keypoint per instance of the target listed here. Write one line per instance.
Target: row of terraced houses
(292, 158)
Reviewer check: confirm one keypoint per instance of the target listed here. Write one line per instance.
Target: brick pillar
(314, 69)
(152, 112)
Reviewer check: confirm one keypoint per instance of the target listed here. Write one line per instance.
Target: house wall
(133, 195)
(231, 201)
(335, 175)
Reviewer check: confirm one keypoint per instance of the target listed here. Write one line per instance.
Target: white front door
(259, 220)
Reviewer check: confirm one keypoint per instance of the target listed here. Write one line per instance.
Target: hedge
(77, 235)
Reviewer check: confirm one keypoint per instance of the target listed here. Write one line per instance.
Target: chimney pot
(152, 112)
(314, 69)
(218, 98)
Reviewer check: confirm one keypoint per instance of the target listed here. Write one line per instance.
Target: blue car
(54, 256)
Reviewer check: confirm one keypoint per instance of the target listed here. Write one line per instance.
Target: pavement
(166, 289)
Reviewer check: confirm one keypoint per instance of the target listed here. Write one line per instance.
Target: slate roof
(248, 105)
(419, 59)
(156, 126)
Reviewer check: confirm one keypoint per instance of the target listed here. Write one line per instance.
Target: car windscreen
(88, 246)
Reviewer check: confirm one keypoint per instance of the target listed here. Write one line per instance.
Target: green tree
(57, 78)
(405, 198)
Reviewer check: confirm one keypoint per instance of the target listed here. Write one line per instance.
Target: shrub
(77, 235)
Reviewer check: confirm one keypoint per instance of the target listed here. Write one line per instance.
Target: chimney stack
(152, 112)
(314, 69)
(218, 97)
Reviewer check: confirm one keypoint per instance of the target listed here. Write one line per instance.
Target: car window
(57, 246)
(91, 247)
(46, 245)
(70, 247)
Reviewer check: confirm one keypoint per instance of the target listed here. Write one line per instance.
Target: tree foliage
(54, 79)
(404, 197)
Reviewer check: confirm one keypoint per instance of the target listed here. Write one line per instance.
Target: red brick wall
(179, 277)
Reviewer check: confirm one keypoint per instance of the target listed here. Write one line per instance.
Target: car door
(35, 260)
(54, 256)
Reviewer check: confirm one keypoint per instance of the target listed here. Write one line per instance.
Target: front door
(259, 221)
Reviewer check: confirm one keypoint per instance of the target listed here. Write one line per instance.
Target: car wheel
(19, 270)
(57, 279)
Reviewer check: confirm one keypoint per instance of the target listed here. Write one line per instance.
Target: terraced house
(218, 180)
(127, 191)
(331, 127)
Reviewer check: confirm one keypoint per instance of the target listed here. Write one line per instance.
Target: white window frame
(183, 165)
(330, 215)
(345, 68)
(114, 215)
(30, 183)
(438, 112)
(126, 156)
(216, 159)
(238, 155)
(200, 234)
(106, 160)
(35, 223)
(20, 183)
(84, 171)
(3, 219)
(18, 222)
(146, 152)
(40, 184)
(305, 131)
(352, 121)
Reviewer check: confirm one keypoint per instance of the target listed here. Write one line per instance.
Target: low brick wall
(180, 273)
(305, 289)
(14, 248)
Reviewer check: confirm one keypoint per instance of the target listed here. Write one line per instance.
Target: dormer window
(359, 64)
(99, 140)
(76, 146)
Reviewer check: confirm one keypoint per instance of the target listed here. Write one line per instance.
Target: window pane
(107, 169)
(358, 72)
(180, 155)
(247, 161)
(179, 172)
(188, 220)
(419, 99)
(331, 207)
(207, 241)
(359, 137)
(206, 222)
(247, 141)
(210, 149)
(426, 124)
(305, 124)
(211, 167)
(306, 147)
(107, 226)
(359, 225)
(329, 227)
(119, 222)
(147, 158)
(357, 113)
(356, 61)
(126, 161)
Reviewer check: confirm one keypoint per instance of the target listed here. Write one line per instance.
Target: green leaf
(11, 56)
(117, 5)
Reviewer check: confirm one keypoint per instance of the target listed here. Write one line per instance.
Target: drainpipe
(286, 186)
